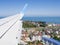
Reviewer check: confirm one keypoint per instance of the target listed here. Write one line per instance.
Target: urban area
(40, 33)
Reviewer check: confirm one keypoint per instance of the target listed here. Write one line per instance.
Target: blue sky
(35, 7)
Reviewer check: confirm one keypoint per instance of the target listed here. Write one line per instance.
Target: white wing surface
(10, 29)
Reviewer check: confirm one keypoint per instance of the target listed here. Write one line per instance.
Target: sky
(34, 8)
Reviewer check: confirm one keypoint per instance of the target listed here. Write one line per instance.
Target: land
(33, 32)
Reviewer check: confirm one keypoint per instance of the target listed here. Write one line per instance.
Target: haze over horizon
(35, 7)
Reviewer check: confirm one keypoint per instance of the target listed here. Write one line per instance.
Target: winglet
(23, 10)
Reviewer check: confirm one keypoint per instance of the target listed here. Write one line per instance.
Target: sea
(55, 20)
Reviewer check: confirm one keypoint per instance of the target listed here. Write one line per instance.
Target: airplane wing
(9, 27)
(7, 23)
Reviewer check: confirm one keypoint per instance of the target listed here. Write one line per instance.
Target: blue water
(44, 19)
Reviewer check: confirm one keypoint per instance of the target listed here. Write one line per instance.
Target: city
(33, 33)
